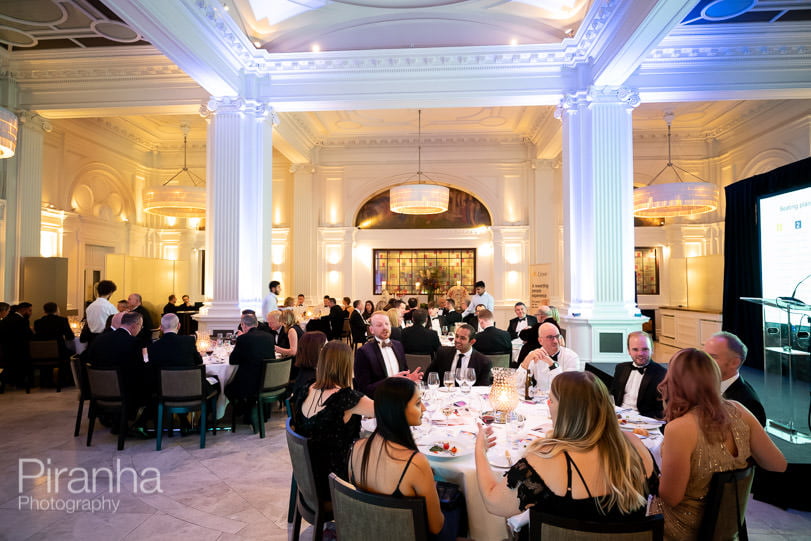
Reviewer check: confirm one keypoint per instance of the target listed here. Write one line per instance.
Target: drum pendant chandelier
(178, 200)
(420, 197)
(672, 199)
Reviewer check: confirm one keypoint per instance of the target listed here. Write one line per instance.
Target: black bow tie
(640, 369)
(385, 343)
(520, 319)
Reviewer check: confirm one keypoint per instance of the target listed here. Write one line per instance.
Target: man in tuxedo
(380, 358)
(435, 320)
(122, 348)
(52, 326)
(336, 319)
(521, 320)
(15, 335)
(170, 307)
(173, 349)
(490, 340)
(730, 353)
(452, 316)
(145, 335)
(300, 300)
(635, 381)
(418, 339)
(252, 348)
(462, 355)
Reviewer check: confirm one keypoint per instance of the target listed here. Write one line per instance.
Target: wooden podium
(786, 367)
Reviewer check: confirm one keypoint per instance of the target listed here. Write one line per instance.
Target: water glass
(433, 381)
(448, 381)
(470, 376)
(515, 430)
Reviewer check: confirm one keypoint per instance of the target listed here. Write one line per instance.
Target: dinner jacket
(169, 308)
(358, 327)
(478, 361)
(250, 351)
(452, 317)
(396, 334)
(420, 341)
(145, 336)
(531, 320)
(336, 322)
(370, 369)
(493, 341)
(55, 327)
(173, 349)
(440, 319)
(120, 349)
(648, 399)
(742, 392)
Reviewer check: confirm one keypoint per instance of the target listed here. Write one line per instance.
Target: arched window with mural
(425, 271)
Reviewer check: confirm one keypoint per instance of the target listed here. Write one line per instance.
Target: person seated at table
(395, 322)
(586, 468)
(705, 434)
(462, 355)
(52, 326)
(252, 348)
(436, 322)
(186, 303)
(489, 339)
(309, 347)
(357, 325)
(452, 315)
(329, 411)
(417, 339)
(368, 310)
(173, 349)
(289, 303)
(531, 343)
(388, 462)
(521, 320)
(544, 314)
(380, 358)
(635, 382)
(288, 333)
(548, 361)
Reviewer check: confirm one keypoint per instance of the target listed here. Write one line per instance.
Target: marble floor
(235, 488)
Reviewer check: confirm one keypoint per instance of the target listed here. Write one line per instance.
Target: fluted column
(304, 234)
(29, 182)
(238, 217)
(598, 220)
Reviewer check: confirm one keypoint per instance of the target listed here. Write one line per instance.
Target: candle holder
(204, 343)
(503, 394)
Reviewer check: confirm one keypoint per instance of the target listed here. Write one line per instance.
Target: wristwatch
(553, 365)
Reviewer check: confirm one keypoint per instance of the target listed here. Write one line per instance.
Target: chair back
(79, 377)
(548, 527)
(43, 350)
(413, 361)
(605, 377)
(105, 385)
(299, 449)
(275, 374)
(362, 515)
(500, 361)
(725, 505)
(181, 386)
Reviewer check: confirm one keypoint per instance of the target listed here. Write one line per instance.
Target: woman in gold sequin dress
(705, 434)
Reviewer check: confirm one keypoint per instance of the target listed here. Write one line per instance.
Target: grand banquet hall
(616, 159)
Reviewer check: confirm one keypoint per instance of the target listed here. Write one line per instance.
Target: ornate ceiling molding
(427, 141)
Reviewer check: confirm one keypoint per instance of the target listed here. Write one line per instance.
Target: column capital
(259, 109)
(30, 119)
(597, 94)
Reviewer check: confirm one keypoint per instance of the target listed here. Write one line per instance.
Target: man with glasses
(549, 360)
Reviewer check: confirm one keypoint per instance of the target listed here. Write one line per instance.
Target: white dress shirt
(97, 312)
(389, 359)
(632, 389)
(485, 298)
(465, 360)
(269, 304)
(727, 382)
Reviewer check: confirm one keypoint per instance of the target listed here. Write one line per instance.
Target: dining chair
(500, 361)
(725, 505)
(311, 504)
(44, 354)
(363, 515)
(413, 361)
(549, 527)
(182, 390)
(291, 506)
(81, 383)
(346, 332)
(273, 381)
(106, 394)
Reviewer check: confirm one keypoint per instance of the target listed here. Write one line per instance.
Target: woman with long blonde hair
(705, 434)
(587, 468)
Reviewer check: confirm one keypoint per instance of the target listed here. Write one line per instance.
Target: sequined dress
(683, 520)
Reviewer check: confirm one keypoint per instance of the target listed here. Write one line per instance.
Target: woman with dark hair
(587, 468)
(307, 351)
(368, 310)
(388, 462)
(329, 411)
(705, 434)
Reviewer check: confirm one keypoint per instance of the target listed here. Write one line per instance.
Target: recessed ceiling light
(316, 48)
(513, 41)
(257, 43)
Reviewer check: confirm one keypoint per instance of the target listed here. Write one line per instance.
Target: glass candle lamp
(503, 394)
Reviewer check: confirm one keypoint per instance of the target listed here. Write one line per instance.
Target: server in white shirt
(636, 381)
(271, 300)
(481, 297)
(99, 310)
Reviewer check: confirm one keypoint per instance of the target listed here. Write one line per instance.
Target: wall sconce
(333, 254)
(512, 253)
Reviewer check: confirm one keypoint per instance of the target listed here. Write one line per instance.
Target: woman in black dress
(329, 412)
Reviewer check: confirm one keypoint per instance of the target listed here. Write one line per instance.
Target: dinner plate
(497, 457)
(647, 426)
(462, 449)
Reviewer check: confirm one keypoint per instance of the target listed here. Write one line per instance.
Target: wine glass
(469, 378)
(459, 376)
(448, 381)
(433, 382)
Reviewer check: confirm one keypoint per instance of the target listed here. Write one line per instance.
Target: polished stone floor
(235, 488)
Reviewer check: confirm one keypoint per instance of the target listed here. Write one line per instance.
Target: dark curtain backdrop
(742, 251)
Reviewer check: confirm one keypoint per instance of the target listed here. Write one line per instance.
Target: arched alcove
(465, 211)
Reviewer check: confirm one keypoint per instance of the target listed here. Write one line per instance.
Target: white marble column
(29, 182)
(598, 221)
(304, 234)
(238, 214)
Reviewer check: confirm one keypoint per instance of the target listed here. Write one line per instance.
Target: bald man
(549, 360)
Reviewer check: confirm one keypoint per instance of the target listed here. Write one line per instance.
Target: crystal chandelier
(420, 197)
(178, 200)
(672, 199)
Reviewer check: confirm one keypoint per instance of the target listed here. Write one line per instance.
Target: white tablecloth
(462, 470)
(217, 365)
